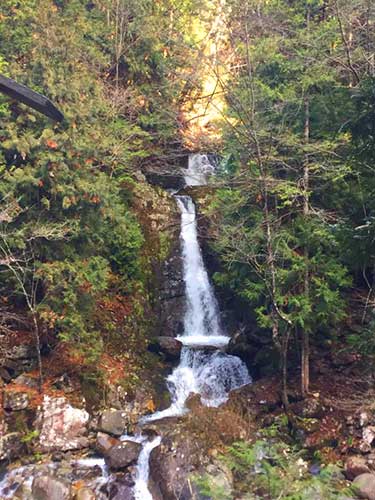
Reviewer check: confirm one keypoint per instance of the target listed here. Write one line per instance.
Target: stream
(204, 366)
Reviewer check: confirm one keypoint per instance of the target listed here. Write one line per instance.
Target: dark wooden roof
(27, 96)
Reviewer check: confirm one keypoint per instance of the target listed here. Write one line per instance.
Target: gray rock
(365, 486)
(122, 488)
(116, 397)
(10, 446)
(104, 442)
(5, 375)
(368, 434)
(169, 346)
(26, 380)
(50, 488)
(364, 419)
(61, 426)
(122, 455)
(173, 463)
(114, 422)
(355, 466)
(308, 408)
(21, 352)
(15, 401)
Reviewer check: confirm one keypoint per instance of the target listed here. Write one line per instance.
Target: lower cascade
(204, 368)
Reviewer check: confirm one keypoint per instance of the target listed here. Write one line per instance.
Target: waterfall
(199, 170)
(204, 368)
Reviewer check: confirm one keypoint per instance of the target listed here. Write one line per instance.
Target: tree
(285, 157)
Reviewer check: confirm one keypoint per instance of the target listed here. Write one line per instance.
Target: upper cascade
(202, 312)
(200, 168)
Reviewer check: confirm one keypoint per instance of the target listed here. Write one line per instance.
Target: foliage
(294, 229)
(67, 215)
(270, 469)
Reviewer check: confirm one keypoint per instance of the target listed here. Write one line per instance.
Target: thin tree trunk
(39, 356)
(305, 354)
(284, 372)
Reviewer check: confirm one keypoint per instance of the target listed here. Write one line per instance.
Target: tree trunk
(284, 372)
(305, 352)
(39, 356)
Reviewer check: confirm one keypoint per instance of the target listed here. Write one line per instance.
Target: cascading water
(203, 368)
(199, 170)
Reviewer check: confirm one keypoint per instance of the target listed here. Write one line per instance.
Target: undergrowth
(271, 469)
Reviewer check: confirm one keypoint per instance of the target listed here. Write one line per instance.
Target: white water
(141, 491)
(203, 368)
(199, 170)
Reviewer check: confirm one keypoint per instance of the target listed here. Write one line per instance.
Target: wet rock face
(50, 488)
(114, 422)
(123, 455)
(16, 360)
(257, 351)
(122, 488)
(172, 464)
(167, 179)
(61, 426)
(15, 401)
(11, 446)
(169, 346)
(172, 293)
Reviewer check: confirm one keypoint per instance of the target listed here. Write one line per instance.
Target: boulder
(355, 466)
(50, 488)
(117, 397)
(27, 380)
(308, 408)
(104, 443)
(368, 435)
(170, 347)
(172, 464)
(11, 446)
(255, 348)
(16, 360)
(114, 422)
(61, 426)
(22, 351)
(15, 401)
(365, 486)
(122, 488)
(194, 402)
(122, 455)
(5, 375)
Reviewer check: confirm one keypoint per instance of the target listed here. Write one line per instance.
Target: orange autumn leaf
(51, 144)
(151, 405)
